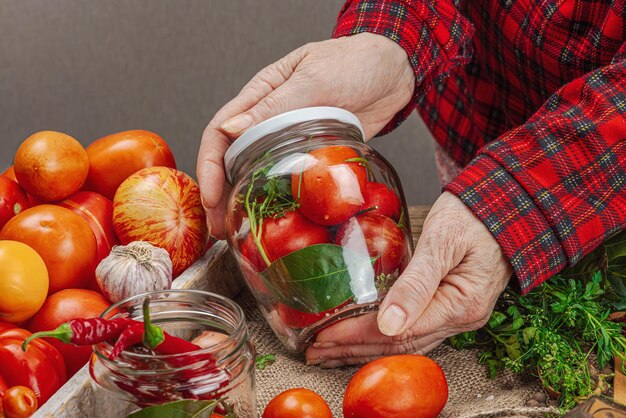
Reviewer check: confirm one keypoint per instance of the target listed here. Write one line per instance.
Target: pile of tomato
(57, 207)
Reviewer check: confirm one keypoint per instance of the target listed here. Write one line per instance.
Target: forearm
(551, 190)
(434, 34)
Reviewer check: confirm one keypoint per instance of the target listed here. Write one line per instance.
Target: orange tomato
(24, 281)
(402, 386)
(51, 165)
(61, 307)
(63, 239)
(10, 173)
(113, 158)
(19, 402)
(162, 206)
(297, 403)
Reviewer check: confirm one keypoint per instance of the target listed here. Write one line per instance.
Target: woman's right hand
(366, 74)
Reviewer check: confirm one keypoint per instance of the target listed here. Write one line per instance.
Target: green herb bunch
(553, 331)
(266, 197)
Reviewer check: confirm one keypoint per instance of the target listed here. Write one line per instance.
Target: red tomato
(19, 402)
(51, 165)
(282, 236)
(32, 200)
(62, 239)
(250, 252)
(377, 235)
(40, 368)
(330, 191)
(97, 210)
(297, 403)
(113, 158)
(162, 206)
(382, 199)
(61, 307)
(10, 173)
(402, 386)
(298, 319)
(13, 200)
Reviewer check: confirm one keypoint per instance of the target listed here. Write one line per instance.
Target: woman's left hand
(450, 286)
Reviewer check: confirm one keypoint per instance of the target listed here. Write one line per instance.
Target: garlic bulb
(133, 269)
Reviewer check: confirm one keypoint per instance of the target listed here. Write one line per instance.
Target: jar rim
(207, 350)
(285, 120)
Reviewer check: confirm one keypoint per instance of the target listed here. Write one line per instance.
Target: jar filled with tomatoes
(218, 376)
(316, 219)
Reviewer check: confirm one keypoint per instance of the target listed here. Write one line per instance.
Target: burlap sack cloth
(471, 392)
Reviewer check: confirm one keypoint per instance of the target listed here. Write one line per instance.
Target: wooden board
(215, 272)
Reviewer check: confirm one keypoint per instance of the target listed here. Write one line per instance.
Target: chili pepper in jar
(201, 366)
(85, 331)
(152, 337)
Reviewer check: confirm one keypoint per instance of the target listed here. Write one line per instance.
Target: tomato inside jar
(316, 219)
(218, 375)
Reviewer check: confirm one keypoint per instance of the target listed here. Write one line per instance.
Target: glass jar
(222, 370)
(316, 219)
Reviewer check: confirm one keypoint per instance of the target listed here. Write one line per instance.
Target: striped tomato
(162, 206)
(97, 210)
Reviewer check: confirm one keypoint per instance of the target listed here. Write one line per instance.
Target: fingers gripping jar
(316, 219)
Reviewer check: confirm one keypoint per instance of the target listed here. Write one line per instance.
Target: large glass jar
(221, 371)
(317, 220)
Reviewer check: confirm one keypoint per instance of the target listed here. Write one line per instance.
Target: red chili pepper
(134, 335)
(85, 331)
(154, 338)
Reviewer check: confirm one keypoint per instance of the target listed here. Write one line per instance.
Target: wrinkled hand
(450, 286)
(366, 74)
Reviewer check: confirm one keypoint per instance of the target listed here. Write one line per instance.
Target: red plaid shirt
(530, 96)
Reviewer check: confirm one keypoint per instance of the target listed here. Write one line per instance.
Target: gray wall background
(90, 68)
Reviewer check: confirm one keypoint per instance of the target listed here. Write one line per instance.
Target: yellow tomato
(23, 281)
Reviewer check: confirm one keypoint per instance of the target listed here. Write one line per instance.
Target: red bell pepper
(3, 386)
(40, 368)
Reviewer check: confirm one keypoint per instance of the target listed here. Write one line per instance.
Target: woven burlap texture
(471, 392)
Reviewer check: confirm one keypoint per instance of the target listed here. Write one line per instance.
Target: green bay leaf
(177, 409)
(316, 278)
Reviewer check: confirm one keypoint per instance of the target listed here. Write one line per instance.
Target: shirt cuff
(435, 39)
(511, 215)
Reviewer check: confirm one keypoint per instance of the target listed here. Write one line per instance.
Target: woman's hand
(450, 286)
(366, 74)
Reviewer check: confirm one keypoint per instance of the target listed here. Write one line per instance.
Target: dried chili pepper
(85, 331)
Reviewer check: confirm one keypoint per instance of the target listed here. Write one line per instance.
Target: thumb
(289, 96)
(271, 92)
(412, 292)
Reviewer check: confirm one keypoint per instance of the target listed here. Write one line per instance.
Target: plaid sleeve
(552, 189)
(435, 36)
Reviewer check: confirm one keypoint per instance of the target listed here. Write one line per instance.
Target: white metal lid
(283, 121)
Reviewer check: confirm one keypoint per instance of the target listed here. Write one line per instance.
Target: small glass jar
(316, 219)
(223, 370)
